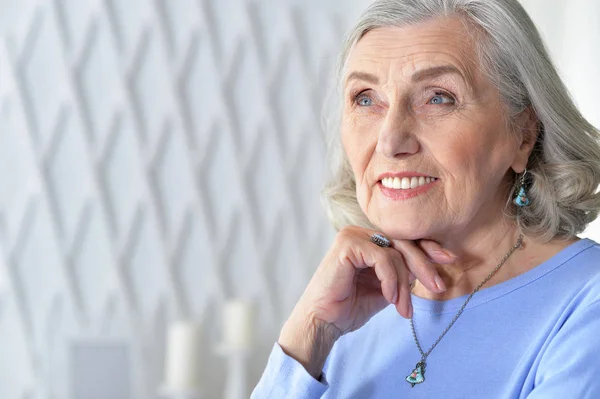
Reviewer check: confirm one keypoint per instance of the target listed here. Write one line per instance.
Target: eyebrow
(434, 72)
(423, 74)
(367, 77)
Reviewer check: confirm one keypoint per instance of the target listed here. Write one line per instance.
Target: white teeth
(414, 182)
(406, 183)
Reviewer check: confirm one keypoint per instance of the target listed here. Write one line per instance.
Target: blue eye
(364, 101)
(440, 99)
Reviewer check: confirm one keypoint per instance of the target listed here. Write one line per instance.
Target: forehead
(404, 50)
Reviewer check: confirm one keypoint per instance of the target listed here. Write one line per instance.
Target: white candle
(182, 363)
(238, 325)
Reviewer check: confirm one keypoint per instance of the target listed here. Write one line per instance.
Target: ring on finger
(381, 240)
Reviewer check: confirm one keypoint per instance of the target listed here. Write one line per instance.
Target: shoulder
(566, 281)
(568, 365)
(575, 271)
(587, 251)
(584, 267)
(576, 290)
(570, 282)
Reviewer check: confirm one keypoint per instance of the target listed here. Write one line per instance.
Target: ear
(526, 132)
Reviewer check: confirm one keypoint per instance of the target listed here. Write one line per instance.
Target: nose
(396, 137)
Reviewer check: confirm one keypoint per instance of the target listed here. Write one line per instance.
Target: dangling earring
(521, 199)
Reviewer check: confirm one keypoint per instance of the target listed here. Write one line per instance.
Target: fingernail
(439, 283)
(395, 296)
(447, 254)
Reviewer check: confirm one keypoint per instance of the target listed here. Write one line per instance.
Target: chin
(401, 230)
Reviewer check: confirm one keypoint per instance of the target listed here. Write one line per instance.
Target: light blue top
(535, 336)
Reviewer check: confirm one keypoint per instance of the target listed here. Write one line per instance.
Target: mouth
(406, 183)
(406, 186)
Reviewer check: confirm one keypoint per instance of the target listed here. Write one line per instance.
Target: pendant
(521, 199)
(418, 374)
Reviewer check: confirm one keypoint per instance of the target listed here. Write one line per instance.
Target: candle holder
(182, 362)
(237, 340)
(236, 386)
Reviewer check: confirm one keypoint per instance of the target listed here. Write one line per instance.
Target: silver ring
(380, 240)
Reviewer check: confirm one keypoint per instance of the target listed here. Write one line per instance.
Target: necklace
(418, 374)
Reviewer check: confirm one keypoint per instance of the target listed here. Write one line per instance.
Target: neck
(478, 252)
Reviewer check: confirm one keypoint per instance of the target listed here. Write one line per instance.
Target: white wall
(160, 157)
(157, 158)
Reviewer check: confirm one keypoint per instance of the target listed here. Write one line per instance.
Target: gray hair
(564, 168)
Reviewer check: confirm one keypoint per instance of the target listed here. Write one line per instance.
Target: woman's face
(425, 132)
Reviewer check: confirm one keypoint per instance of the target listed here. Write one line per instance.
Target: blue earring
(521, 199)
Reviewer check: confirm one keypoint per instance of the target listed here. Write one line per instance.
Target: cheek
(358, 159)
(475, 166)
(355, 150)
(465, 157)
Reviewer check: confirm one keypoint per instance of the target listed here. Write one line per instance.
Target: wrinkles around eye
(442, 96)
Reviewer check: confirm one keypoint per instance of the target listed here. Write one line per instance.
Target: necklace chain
(424, 355)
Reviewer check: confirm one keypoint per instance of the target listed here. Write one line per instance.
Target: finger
(420, 265)
(382, 262)
(436, 253)
(404, 304)
(403, 278)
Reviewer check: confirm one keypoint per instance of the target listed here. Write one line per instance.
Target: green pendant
(418, 374)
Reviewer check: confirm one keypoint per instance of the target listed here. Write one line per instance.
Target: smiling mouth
(406, 183)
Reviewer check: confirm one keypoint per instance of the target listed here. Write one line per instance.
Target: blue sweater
(535, 336)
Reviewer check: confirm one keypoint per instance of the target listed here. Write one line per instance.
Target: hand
(356, 280)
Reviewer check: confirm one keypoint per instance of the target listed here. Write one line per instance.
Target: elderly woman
(465, 174)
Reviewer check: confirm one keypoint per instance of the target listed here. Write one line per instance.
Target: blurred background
(160, 169)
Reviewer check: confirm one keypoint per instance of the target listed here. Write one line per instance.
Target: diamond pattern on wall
(228, 24)
(174, 179)
(68, 174)
(181, 19)
(221, 180)
(127, 20)
(17, 157)
(202, 90)
(43, 75)
(307, 179)
(74, 18)
(268, 180)
(99, 79)
(242, 271)
(158, 158)
(38, 271)
(94, 267)
(283, 266)
(123, 177)
(151, 88)
(146, 268)
(273, 30)
(17, 376)
(248, 99)
(61, 327)
(196, 267)
(292, 102)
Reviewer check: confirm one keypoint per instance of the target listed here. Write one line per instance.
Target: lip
(399, 194)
